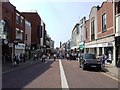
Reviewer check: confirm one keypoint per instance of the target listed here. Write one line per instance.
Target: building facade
(92, 27)
(117, 35)
(27, 40)
(75, 37)
(87, 36)
(106, 31)
(9, 33)
(20, 33)
(81, 34)
(35, 20)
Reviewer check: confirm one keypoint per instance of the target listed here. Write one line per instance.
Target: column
(103, 50)
(97, 51)
(114, 54)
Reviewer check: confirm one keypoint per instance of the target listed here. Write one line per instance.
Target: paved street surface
(52, 74)
(41, 75)
(77, 78)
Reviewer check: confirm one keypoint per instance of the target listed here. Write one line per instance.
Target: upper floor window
(119, 7)
(21, 21)
(104, 22)
(27, 23)
(17, 19)
(117, 4)
(77, 30)
(18, 34)
(86, 33)
(93, 30)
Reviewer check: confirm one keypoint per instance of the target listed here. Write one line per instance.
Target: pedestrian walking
(67, 56)
(21, 57)
(54, 57)
(103, 58)
(14, 60)
(43, 58)
(17, 60)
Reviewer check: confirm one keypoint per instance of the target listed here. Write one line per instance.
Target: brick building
(8, 16)
(20, 33)
(13, 35)
(35, 20)
(106, 31)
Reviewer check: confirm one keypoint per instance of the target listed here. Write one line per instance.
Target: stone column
(114, 54)
(103, 52)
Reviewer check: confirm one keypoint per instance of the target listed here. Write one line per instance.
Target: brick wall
(35, 20)
(106, 7)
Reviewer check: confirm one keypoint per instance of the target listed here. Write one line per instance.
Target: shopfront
(117, 44)
(20, 48)
(81, 46)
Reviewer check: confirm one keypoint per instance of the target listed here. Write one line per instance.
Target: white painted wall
(93, 16)
(118, 25)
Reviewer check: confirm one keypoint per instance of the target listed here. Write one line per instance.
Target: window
(18, 34)
(104, 22)
(21, 21)
(93, 30)
(86, 33)
(77, 29)
(26, 37)
(17, 19)
(118, 7)
(92, 27)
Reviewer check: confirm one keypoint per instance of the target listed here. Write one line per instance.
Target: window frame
(104, 22)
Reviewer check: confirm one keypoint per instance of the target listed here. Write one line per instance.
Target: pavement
(112, 70)
(7, 67)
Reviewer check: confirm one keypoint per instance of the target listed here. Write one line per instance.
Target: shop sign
(20, 46)
(81, 45)
(110, 44)
(105, 44)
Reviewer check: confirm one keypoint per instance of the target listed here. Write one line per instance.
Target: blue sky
(59, 16)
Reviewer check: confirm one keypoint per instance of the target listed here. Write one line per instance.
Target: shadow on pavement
(22, 77)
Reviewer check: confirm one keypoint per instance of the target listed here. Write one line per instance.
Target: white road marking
(64, 83)
(111, 77)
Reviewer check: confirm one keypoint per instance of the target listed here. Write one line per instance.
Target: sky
(60, 16)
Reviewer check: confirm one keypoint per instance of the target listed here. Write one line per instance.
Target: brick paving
(110, 69)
